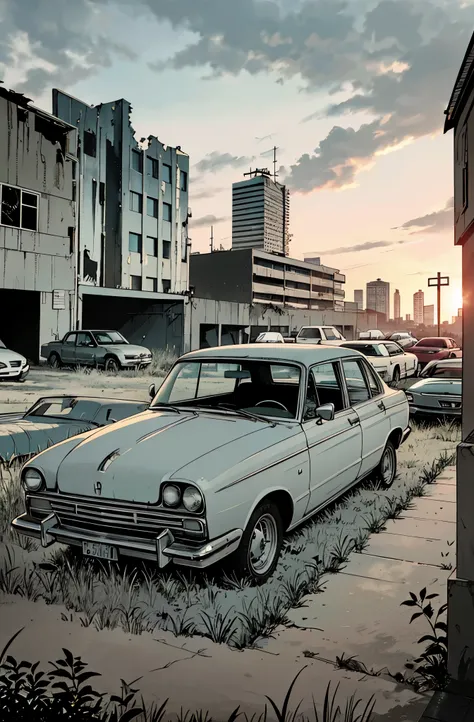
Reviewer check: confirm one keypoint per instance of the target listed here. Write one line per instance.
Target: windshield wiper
(165, 406)
(246, 414)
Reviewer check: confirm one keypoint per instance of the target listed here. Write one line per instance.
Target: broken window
(19, 208)
(90, 143)
(166, 284)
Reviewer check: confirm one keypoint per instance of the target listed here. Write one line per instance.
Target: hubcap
(263, 544)
(387, 466)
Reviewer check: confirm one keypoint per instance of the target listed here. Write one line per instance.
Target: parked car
(101, 349)
(373, 334)
(405, 340)
(388, 358)
(270, 337)
(439, 392)
(55, 418)
(327, 335)
(229, 456)
(435, 348)
(13, 366)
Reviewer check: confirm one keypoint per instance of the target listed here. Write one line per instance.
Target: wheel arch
(282, 499)
(395, 436)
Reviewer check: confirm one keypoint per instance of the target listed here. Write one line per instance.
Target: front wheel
(54, 361)
(387, 469)
(112, 364)
(260, 547)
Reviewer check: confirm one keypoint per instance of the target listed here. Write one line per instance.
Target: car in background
(55, 418)
(326, 335)
(270, 337)
(391, 362)
(404, 339)
(13, 366)
(435, 348)
(228, 458)
(439, 391)
(372, 334)
(108, 350)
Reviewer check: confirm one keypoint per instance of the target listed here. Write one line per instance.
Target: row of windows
(136, 204)
(19, 208)
(152, 168)
(151, 284)
(135, 245)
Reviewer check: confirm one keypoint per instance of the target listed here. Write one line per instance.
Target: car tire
(112, 364)
(387, 469)
(54, 361)
(396, 375)
(265, 521)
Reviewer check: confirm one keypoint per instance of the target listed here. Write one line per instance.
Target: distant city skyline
(418, 306)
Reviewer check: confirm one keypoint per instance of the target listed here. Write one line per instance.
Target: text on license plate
(100, 551)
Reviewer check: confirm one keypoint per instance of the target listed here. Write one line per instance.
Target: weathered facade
(37, 225)
(460, 117)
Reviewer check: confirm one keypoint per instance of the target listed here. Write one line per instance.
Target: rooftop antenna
(212, 239)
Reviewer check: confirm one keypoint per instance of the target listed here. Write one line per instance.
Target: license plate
(99, 551)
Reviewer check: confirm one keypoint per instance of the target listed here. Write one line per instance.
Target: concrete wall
(34, 156)
(200, 311)
(226, 275)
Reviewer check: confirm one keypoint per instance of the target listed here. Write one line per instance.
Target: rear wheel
(54, 361)
(387, 469)
(260, 547)
(396, 375)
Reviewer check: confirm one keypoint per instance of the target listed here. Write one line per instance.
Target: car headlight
(171, 495)
(192, 498)
(409, 397)
(32, 480)
(3, 366)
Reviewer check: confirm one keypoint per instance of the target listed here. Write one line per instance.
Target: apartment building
(378, 297)
(418, 306)
(396, 305)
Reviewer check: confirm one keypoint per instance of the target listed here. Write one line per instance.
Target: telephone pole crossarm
(437, 282)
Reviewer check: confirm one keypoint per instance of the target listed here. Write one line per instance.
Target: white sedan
(13, 366)
(240, 445)
(390, 360)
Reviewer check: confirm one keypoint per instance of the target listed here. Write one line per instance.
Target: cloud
(367, 246)
(435, 222)
(206, 221)
(205, 192)
(215, 162)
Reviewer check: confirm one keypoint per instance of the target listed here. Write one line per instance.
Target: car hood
(7, 355)
(438, 387)
(131, 458)
(127, 348)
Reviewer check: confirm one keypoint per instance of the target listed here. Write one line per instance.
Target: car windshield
(368, 349)
(453, 372)
(263, 388)
(432, 342)
(68, 407)
(109, 337)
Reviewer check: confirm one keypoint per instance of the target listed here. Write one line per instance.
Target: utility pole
(275, 163)
(212, 239)
(437, 282)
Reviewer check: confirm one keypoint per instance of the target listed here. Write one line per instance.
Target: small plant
(431, 667)
(361, 542)
(375, 523)
(219, 628)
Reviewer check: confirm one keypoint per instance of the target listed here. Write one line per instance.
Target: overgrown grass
(224, 609)
(162, 361)
(66, 692)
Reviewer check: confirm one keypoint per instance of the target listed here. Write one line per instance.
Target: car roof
(366, 342)
(447, 362)
(304, 353)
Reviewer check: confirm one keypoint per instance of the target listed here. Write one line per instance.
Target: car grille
(108, 519)
(15, 364)
(450, 404)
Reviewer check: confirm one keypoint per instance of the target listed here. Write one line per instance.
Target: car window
(109, 337)
(374, 382)
(327, 385)
(368, 349)
(310, 332)
(212, 380)
(356, 383)
(432, 342)
(83, 339)
(70, 339)
(393, 349)
(285, 374)
(447, 372)
(329, 333)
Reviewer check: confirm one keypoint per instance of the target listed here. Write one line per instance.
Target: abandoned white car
(240, 445)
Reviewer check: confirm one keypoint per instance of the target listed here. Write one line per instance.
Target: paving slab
(433, 509)
(408, 549)
(442, 491)
(422, 528)
(448, 476)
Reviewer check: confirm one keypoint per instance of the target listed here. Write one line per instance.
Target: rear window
(368, 349)
(447, 373)
(433, 342)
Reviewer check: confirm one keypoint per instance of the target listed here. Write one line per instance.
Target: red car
(434, 349)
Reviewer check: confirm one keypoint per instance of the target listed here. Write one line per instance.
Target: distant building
(38, 251)
(359, 298)
(428, 315)
(396, 305)
(261, 214)
(378, 297)
(460, 312)
(418, 305)
(255, 277)
(408, 317)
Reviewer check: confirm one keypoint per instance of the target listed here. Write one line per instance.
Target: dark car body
(435, 348)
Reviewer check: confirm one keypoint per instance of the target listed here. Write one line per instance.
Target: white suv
(326, 335)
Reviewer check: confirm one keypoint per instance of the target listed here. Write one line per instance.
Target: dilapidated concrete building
(132, 224)
(37, 225)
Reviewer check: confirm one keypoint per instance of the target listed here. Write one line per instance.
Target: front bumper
(135, 363)
(15, 373)
(434, 411)
(405, 435)
(162, 550)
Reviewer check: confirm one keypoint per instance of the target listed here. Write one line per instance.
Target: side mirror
(326, 412)
(152, 391)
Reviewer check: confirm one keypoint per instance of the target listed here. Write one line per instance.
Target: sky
(352, 93)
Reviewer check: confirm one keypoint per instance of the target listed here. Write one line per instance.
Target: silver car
(439, 391)
(100, 349)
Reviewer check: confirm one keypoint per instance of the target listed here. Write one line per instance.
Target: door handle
(354, 420)
(381, 406)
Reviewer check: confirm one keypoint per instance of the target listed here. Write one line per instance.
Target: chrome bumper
(432, 411)
(162, 550)
(405, 435)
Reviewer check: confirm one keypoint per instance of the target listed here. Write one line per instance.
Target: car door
(85, 352)
(335, 447)
(396, 359)
(366, 393)
(68, 348)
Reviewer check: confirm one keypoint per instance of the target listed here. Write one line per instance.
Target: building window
(166, 249)
(183, 178)
(151, 247)
(137, 161)
(152, 166)
(166, 212)
(166, 173)
(136, 283)
(90, 143)
(134, 243)
(152, 284)
(19, 208)
(136, 202)
(152, 207)
(166, 285)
